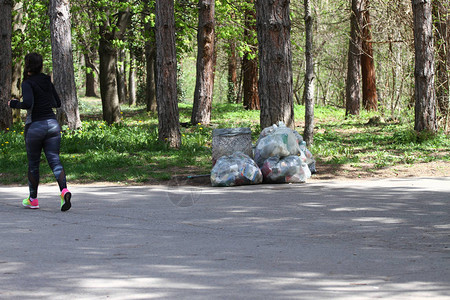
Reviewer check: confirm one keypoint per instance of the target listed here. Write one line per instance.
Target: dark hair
(33, 64)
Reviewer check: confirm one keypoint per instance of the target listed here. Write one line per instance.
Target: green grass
(130, 152)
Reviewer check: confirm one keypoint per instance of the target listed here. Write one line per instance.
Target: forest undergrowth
(367, 146)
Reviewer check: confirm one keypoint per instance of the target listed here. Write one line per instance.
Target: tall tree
(308, 95)
(201, 111)
(150, 58)
(353, 87)
(121, 77)
(5, 63)
(250, 60)
(132, 80)
(425, 98)
(17, 58)
(442, 37)
(166, 74)
(63, 71)
(369, 89)
(112, 28)
(91, 74)
(275, 59)
(85, 34)
(232, 72)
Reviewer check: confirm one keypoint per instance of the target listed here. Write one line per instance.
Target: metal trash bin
(226, 141)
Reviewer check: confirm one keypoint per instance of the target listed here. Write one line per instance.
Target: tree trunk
(166, 74)
(308, 95)
(275, 73)
(63, 71)
(108, 61)
(15, 87)
(121, 78)
(132, 80)
(442, 33)
(150, 58)
(250, 82)
(108, 84)
(232, 72)
(250, 63)
(91, 72)
(425, 102)
(150, 90)
(201, 111)
(5, 63)
(369, 89)
(17, 60)
(352, 95)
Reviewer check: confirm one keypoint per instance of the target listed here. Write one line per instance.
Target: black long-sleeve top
(39, 97)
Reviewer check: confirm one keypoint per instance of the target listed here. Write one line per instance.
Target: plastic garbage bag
(276, 141)
(235, 169)
(307, 157)
(287, 169)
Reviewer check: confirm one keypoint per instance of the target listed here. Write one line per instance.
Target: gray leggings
(45, 134)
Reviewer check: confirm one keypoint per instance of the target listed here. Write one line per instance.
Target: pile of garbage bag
(280, 156)
(235, 169)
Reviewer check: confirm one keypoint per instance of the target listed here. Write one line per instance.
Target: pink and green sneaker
(33, 204)
(65, 200)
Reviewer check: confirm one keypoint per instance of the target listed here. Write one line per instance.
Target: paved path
(380, 239)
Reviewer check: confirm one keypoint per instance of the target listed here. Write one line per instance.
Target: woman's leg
(34, 136)
(51, 145)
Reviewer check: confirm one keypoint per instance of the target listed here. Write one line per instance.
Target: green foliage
(34, 35)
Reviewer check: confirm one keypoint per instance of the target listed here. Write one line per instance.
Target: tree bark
(250, 82)
(5, 63)
(108, 83)
(166, 74)
(132, 80)
(442, 33)
(121, 78)
(150, 58)
(203, 94)
(353, 89)
(250, 63)
(17, 60)
(63, 70)
(91, 75)
(308, 95)
(369, 89)
(150, 90)
(425, 99)
(275, 73)
(108, 61)
(232, 72)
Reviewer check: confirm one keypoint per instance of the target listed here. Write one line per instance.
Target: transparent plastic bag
(307, 157)
(276, 141)
(235, 169)
(288, 169)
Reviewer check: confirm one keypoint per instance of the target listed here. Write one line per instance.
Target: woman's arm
(28, 98)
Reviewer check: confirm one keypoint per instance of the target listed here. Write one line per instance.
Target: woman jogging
(42, 130)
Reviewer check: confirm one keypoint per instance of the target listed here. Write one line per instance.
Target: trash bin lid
(231, 131)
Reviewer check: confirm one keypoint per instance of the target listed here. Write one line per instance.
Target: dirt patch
(364, 172)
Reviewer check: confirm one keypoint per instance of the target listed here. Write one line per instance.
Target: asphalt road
(378, 239)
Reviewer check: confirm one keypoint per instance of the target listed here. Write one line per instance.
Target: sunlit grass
(130, 152)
